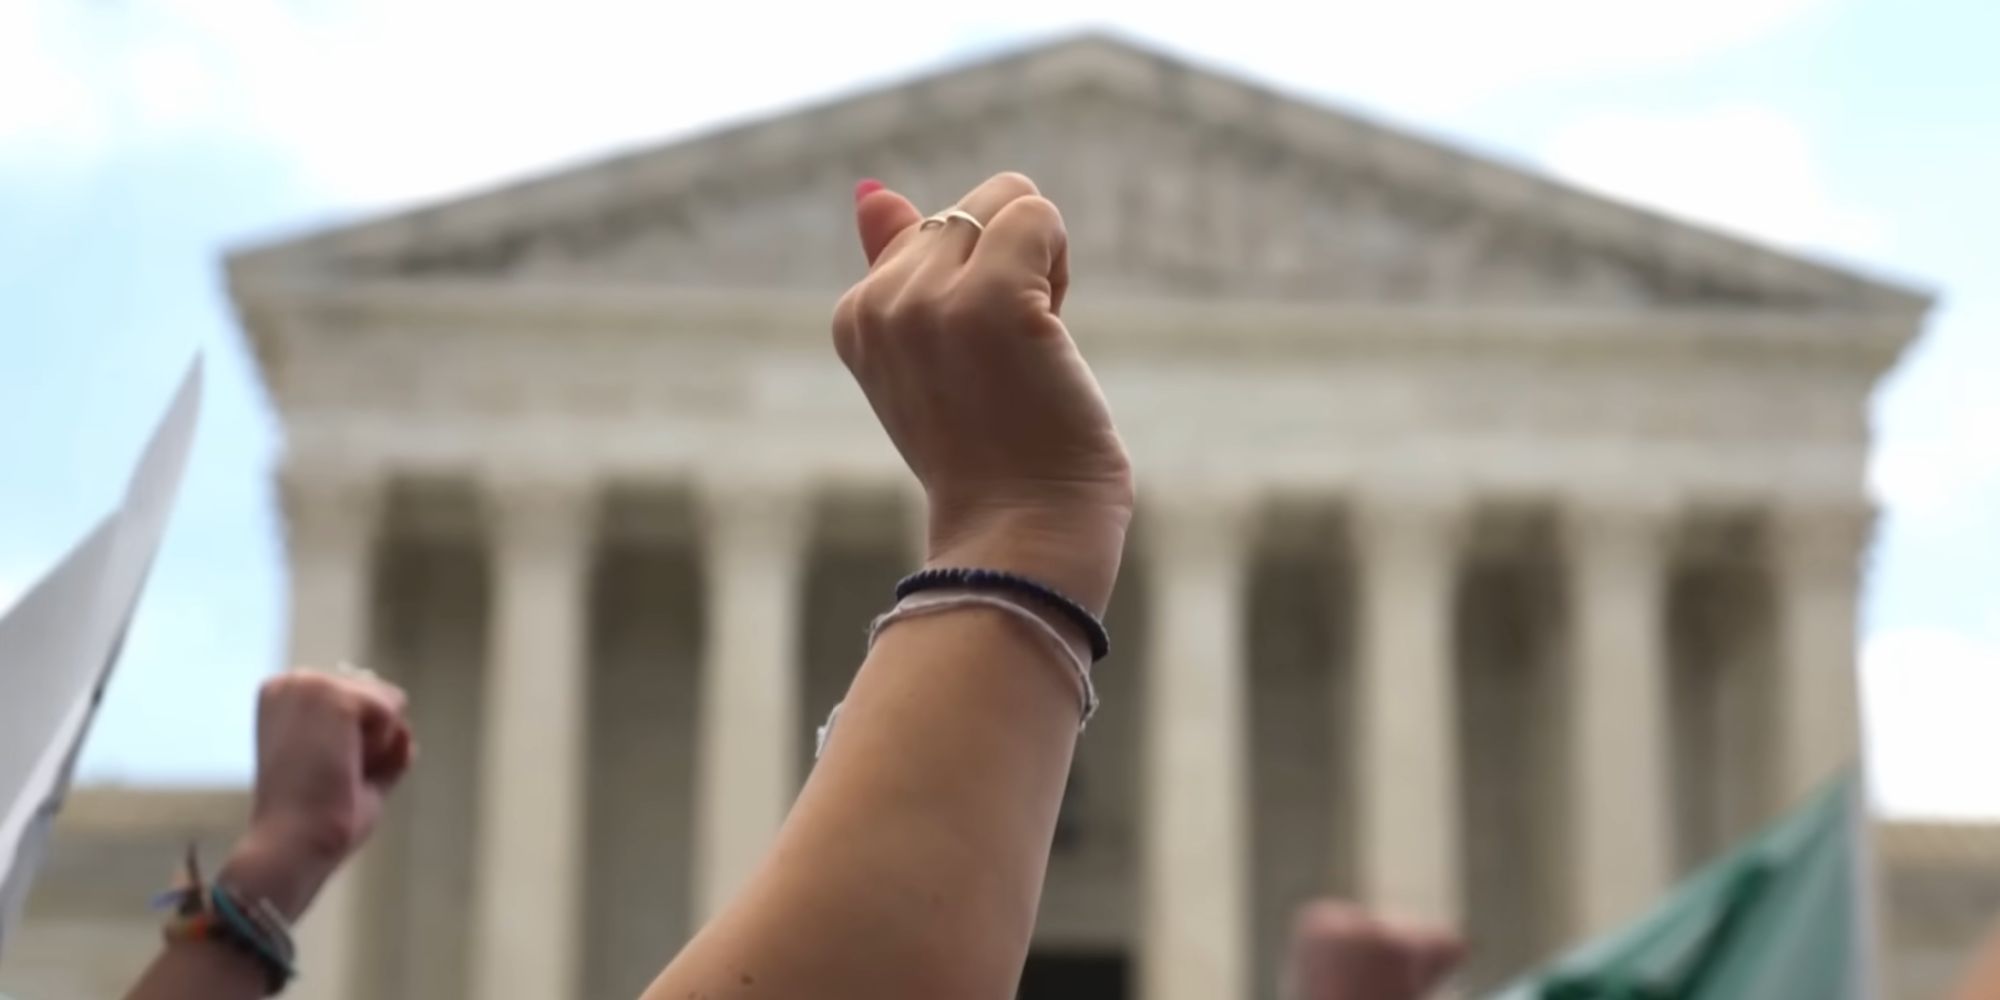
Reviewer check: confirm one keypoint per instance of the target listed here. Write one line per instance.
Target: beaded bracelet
(945, 592)
(994, 579)
(210, 912)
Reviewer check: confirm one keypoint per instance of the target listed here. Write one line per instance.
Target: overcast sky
(137, 140)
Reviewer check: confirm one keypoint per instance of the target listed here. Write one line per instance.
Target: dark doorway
(1073, 975)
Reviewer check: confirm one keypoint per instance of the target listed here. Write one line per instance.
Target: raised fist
(954, 336)
(330, 746)
(1340, 952)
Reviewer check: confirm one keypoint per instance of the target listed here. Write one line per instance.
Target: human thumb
(879, 214)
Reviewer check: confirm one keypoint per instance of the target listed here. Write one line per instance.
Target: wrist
(1073, 548)
(270, 863)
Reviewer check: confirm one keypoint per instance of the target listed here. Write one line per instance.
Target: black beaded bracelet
(945, 578)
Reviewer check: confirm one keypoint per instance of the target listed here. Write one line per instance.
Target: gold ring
(950, 214)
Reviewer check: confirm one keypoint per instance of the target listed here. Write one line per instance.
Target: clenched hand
(956, 337)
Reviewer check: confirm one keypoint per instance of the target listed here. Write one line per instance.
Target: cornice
(297, 317)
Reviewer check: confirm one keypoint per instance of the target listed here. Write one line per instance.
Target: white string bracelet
(932, 602)
(935, 601)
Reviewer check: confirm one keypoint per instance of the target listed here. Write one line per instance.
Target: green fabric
(1778, 918)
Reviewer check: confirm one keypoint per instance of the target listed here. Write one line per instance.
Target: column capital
(1822, 539)
(1402, 516)
(1187, 523)
(753, 510)
(327, 506)
(1590, 522)
(541, 511)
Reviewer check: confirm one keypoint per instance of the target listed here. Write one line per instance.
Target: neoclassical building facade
(1498, 557)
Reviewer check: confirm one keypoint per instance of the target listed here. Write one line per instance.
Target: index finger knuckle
(845, 324)
(1033, 211)
(1015, 183)
(874, 309)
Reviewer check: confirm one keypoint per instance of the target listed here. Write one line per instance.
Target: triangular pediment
(1175, 181)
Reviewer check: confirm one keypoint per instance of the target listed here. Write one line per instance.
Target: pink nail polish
(866, 188)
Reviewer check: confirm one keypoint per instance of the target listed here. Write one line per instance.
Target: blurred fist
(1340, 952)
(329, 748)
(954, 336)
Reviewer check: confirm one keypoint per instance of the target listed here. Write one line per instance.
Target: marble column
(528, 866)
(1195, 896)
(332, 526)
(754, 549)
(1406, 723)
(1818, 582)
(1620, 846)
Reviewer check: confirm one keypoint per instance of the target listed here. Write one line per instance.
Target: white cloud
(1743, 167)
(1424, 56)
(51, 112)
(387, 100)
(1929, 699)
(1943, 477)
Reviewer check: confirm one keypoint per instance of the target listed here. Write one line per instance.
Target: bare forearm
(199, 970)
(913, 862)
(259, 867)
(1982, 976)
